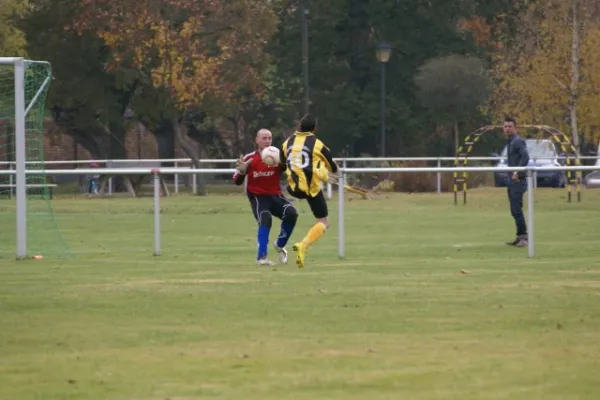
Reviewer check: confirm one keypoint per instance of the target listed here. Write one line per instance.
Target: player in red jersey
(265, 197)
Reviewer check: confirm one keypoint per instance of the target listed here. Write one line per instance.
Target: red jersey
(262, 179)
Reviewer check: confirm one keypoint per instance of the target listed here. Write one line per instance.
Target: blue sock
(284, 235)
(263, 240)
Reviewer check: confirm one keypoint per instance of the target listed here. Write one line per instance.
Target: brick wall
(61, 147)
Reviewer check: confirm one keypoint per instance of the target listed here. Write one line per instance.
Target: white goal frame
(18, 64)
(21, 111)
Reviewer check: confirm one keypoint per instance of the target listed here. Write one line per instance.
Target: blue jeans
(515, 198)
(92, 185)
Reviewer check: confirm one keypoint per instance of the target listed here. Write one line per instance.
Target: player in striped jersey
(304, 153)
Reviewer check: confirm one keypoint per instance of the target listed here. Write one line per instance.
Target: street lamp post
(138, 130)
(304, 13)
(383, 56)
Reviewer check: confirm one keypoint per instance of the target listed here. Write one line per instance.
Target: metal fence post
(194, 181)
(530, 243)
(534, 177)
(156, 174)
(176, 176)
(439, 177)
(11, 182)
(341, 183)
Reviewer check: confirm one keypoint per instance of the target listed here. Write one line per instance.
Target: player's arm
(242, 168)
(238, 178)
(325, 156)
(283, 156)
(523, 154)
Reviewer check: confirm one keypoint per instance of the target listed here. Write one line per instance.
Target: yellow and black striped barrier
(562, 140)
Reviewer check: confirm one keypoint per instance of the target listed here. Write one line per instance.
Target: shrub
(413, 182)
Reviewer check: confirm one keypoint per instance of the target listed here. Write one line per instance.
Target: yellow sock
(314, 233)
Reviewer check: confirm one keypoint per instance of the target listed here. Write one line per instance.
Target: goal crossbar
(9, 60)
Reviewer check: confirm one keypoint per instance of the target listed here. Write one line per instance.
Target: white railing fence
(186, 162)
(531, 171)
(156, 172)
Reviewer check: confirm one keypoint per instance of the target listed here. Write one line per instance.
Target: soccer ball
(270, 156)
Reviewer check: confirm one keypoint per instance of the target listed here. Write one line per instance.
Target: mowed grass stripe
(428, 303)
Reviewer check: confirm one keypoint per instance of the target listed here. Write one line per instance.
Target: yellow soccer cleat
(300, 249)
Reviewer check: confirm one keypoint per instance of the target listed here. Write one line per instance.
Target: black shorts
(275, 204)
(317, 203)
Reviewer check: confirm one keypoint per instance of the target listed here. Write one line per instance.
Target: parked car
(542, 152)
(592, 180)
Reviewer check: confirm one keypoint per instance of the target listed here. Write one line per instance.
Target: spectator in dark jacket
(516, 156)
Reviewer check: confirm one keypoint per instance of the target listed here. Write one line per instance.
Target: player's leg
(318, 206)
(283, 209)
(260, 208)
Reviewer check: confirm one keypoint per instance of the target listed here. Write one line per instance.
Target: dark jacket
(517, 155)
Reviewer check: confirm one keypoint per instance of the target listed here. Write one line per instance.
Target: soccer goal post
(24, 86)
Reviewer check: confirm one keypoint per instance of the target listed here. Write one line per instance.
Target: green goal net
(42, 234)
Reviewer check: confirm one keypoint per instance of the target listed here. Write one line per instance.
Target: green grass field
(395, 319)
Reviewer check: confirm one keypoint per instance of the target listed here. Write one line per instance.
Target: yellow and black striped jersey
(303, 152)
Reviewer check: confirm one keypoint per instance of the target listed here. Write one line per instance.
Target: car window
(540, 149)
(537, 149)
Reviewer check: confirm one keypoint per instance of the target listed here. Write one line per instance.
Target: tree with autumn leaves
(188, 50)
(215, 70)
(549, 73)
(12, 39)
